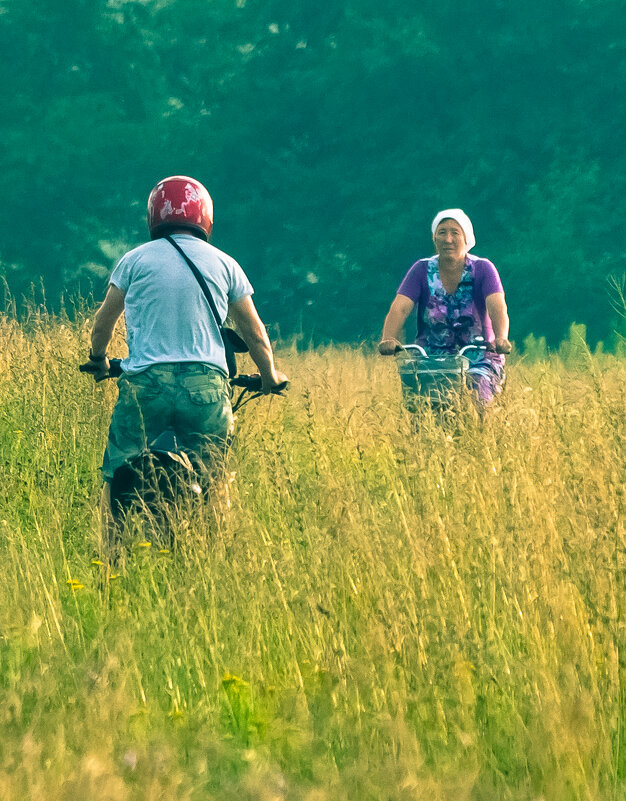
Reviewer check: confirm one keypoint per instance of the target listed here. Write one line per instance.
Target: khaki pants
(192, 399)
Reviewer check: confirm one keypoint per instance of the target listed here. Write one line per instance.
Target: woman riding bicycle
(459, 297)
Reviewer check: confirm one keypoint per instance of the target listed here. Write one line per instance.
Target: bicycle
(164, 473)
(437, 378)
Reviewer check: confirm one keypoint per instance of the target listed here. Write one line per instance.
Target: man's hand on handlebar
(98, 368)
(388, 347)
(274, 382)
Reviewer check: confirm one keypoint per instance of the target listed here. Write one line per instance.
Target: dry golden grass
(389, 612)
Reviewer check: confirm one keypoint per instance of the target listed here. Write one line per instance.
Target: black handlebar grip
(251, 382)
(254, 383)
(115, 368)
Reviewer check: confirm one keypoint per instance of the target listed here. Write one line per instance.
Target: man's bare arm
(245, 316)
(103, 327)
(106, 317)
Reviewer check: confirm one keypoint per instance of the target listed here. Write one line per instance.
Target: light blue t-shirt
(168, 319)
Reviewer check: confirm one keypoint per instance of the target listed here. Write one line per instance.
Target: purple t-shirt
(485, 281)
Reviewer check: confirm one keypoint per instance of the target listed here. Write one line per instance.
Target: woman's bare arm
(394, 324)
(499, 316)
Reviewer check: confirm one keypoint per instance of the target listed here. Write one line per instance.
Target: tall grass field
(395, 608)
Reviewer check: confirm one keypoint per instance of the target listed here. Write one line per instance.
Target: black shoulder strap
(200, 279)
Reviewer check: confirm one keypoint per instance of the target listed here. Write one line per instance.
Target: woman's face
(449, 240)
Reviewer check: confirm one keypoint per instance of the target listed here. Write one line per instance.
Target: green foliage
(535, 348)
(617, 288)
(574, 350)
(329, 136)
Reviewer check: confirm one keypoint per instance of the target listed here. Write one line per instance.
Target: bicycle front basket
(435, 378)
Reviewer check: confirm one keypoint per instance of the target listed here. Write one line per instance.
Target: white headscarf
(458, 215)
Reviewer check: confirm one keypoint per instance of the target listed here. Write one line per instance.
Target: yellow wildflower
(229, 680)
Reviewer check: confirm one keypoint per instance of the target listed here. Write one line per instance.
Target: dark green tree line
(329, 137)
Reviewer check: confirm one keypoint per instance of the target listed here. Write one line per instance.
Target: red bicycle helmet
(182, 202)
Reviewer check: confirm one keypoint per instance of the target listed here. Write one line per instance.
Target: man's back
(167, 317)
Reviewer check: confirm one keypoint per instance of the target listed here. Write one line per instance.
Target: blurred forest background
(329, 136)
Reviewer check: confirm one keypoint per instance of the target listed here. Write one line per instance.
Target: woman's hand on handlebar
(502, 345)
(388, 347)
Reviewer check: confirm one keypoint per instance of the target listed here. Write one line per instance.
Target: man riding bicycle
(176, 372)
(458, 298)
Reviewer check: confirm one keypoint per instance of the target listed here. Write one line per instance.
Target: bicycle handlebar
(477, 346)
(418, 349)
(412, 348)
(115, 369)
(254, 383)
(251, 383)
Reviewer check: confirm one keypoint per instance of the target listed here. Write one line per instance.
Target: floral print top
(448, 321)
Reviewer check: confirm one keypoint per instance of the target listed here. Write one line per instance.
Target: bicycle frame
(164, 472)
